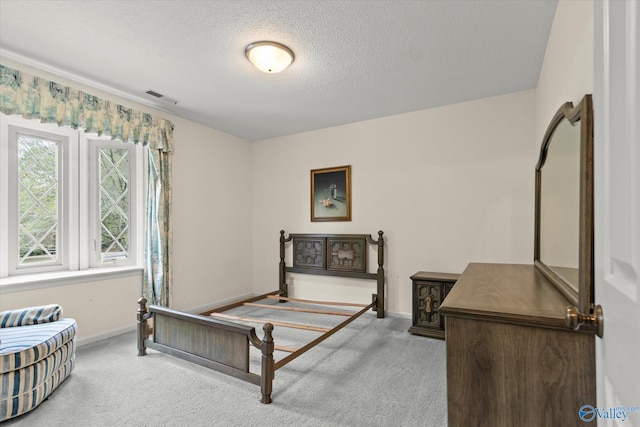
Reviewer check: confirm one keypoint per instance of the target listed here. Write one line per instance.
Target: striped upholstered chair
(37, 353)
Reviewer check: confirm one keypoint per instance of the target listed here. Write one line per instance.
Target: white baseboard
(399, 315)
(106, 335)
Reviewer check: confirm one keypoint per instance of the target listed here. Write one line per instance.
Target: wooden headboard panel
(343, 255)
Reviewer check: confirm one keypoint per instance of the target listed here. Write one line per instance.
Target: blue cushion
(37, 352)
(25, 345)
(30, 316)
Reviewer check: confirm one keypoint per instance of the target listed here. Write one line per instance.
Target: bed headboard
(343, 255)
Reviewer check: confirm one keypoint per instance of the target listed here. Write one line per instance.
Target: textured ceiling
(355, 60)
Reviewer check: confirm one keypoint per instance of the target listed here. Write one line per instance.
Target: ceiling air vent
(156, 94)
(161, 97)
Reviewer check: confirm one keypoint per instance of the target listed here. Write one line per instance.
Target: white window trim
(78, 268)
(136, 154)
(4, 189)
(66, 186)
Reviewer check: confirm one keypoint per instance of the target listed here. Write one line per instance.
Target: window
(69, 201)
(36, 177)
(113, 196)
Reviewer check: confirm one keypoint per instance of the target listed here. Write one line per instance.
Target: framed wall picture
(331, 194)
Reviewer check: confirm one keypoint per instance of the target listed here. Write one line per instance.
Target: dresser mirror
(563, 250)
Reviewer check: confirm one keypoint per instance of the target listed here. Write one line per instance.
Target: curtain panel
(35, 98)
(158, 229)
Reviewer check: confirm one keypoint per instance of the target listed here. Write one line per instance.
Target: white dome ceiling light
(270, 57)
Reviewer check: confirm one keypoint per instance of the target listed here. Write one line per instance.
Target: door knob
(574, 319)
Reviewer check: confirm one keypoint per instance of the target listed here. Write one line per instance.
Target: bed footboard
(216, 344)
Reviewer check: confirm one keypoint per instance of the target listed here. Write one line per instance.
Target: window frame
(75, 200)
(90, 148)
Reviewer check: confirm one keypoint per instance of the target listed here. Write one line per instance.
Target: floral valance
(36, 98)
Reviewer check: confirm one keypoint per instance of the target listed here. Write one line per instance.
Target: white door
(617, 208)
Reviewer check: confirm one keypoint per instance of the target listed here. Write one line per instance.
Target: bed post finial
(380, 276)
(266, 379)
(143, 327)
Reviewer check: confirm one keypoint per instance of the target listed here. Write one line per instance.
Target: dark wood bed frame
(223, 345)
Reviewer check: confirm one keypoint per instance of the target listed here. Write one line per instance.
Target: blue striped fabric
(16, 383)
(30, 316)
(25, 345)
(14, 406)
(37, 352)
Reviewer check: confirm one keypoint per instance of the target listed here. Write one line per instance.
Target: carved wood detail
(309, 253)
(347, 254)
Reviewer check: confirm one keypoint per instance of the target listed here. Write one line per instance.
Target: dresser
(511, 360)
(428, 292)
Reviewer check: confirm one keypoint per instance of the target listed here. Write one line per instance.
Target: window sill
(28, 282)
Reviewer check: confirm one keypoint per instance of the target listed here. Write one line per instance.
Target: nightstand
(429, 290)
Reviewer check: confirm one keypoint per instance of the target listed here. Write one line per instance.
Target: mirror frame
(583, 298)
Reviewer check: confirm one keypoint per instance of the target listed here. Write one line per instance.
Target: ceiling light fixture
(270, 57)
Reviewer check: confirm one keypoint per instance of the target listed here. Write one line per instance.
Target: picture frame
(331, 194)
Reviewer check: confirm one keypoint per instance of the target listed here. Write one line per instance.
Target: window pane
(114, 203)
(38, 220)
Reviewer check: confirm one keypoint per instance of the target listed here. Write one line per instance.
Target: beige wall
(567, 70)
(102, 308)
(447, 185)
(566, 75)
(212, 218)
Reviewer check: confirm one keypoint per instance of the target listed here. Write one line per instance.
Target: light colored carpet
(372, 373)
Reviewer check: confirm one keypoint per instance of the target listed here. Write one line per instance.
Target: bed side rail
(280, 363)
